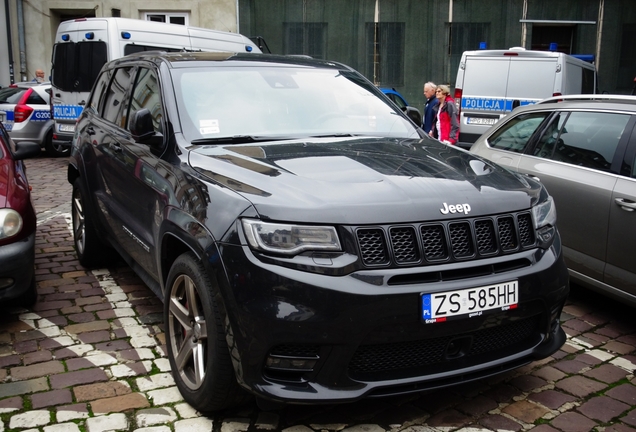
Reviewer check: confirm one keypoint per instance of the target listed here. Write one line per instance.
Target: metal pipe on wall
(599, 32)
(21, 43)
(9, 42)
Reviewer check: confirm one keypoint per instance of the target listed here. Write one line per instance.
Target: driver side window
(516, 134)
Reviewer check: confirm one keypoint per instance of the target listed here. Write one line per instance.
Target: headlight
(10, 223)
(544, 213)
(289, 239)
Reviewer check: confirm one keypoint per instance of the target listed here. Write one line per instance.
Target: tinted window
(147, 95)
(76, 65)
(121, 82)
(99, 95)
(515, 134)
(549, 137)
(11, 95)
(590, 139)
(133, 48)
(35, 99)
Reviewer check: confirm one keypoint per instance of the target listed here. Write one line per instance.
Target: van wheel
(197, 349)
(91, 251)
(55, 150)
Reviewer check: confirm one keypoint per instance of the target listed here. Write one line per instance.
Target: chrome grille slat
(445, 241)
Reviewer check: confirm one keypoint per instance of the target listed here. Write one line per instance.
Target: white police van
(491, 83)
(83, 46)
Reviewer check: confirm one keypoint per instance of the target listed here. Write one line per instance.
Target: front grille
(409, 356)
(425, 243)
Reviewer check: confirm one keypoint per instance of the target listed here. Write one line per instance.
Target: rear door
(620, 271)
(531, 79)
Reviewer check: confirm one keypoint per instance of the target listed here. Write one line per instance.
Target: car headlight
(289, 239)
(544, 213)
(10, 223)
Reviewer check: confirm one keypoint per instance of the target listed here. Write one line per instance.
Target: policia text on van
(491, 83)
(83, 46)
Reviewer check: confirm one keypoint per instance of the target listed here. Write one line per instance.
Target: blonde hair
(444, 88)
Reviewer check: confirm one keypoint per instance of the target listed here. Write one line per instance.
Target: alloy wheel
(79, 228)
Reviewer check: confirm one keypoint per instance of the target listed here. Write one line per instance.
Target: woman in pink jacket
(447, 118)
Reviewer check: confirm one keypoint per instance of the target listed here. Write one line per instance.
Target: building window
(305, 38)
(385, 53)
(545, 35)
(167, 17)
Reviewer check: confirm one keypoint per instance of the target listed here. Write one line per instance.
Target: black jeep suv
(309, 242)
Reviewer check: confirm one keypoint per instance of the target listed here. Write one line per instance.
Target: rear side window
(35, 99)
(516, 133)
(147, 95)
(119, 87)
(11, 95)
(99, 95)
(589, 139)
(76, 65)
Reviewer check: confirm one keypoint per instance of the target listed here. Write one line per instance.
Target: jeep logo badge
(457, 208)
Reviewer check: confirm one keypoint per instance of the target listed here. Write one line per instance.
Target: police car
(26, 114)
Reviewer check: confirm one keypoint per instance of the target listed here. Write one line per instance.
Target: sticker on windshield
(209, 127)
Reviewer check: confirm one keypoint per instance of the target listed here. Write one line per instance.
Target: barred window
(306, 38)
(385, 53)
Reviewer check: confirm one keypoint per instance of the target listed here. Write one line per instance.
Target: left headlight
(288, 239)
(544, 213)
(10, 223)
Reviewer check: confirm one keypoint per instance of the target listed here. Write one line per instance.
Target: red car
(17, 223)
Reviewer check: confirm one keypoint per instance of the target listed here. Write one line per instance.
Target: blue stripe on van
(491, 104)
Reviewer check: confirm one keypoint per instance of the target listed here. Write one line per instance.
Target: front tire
(91, 251)
(195, 338)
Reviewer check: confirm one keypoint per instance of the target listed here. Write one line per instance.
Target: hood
(363, 180)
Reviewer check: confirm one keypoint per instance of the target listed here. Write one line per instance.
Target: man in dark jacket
(429, 109)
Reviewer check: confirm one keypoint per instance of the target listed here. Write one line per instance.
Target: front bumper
(17, 265)
(306, 337)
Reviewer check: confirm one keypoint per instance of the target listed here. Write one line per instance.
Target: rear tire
(91, 251)
(195, 338)
(55, 150)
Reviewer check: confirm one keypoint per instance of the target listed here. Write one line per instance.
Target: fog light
(6, 282)
(546, 233)
(297, 364)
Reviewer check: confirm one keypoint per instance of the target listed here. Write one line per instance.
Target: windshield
(11, 95)
(284, 102)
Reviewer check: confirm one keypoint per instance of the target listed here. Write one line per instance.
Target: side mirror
(142, 129)
(414, 114)
(26, 149)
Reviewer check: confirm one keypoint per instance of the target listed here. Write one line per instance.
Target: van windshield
(217, 103)
(77, 64)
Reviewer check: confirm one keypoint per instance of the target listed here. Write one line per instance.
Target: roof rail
(590, 97)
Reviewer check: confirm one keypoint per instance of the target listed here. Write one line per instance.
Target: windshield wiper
(238, 139)
(335, 135)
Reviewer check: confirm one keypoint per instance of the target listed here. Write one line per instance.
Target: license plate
(481, 121)
(66, 128)
(468, 303)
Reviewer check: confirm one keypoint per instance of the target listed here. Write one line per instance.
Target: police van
(83, 46)
(491, 83)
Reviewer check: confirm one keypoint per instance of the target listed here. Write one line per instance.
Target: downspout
(599, 32)
(524, 25)
(450, 40)
(9, 43)
(23, 69)
(376, 44)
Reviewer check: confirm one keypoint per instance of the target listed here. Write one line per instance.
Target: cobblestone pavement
(89, 356)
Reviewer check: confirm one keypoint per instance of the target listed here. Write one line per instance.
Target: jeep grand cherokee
(309, 242)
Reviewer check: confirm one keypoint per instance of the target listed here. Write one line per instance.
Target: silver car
(26, 114)
(583, 148)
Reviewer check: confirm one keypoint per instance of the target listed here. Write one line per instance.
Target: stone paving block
(525, 411)
(499, 422)
(51, 398)
(72, 412)
(154, 429)
(112, 422)
(619, 428)
(85, 376)
(30, 419)
(10, 360)
(155, 416)
(87, 327)
(186, 411)
(200, 424)
(579, 386)
(100, 359)
(131, 369)
(570, 366)
(112, 346)
(83, 317)
(549, 374)
(11, 404)
(73, 351)
(624, 393)
(607, 373)
(551, 398)
(543, 428)
(527, 383)
(37, 357)
(154, 382)
(602, 408)
(119, 403)
(618, 347)
(25, 347)
(573, 422)
(137, 354)
(165, 396)
(630, 418)
(62, 427)
(94, 337)
(101, 390)
(37, 370)
(477, 406)
(449, 418)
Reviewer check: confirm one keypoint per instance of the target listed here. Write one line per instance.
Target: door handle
(626, 205)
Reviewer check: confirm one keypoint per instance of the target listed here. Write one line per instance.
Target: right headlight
(10, 223)
(544, 213)
(289, 239)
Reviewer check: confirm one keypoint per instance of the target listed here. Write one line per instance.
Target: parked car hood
(363, 180)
